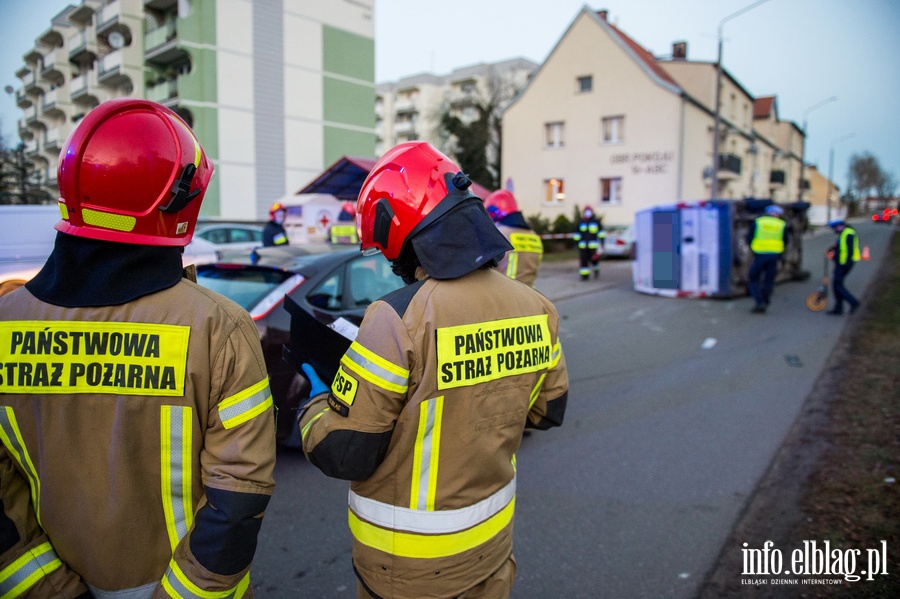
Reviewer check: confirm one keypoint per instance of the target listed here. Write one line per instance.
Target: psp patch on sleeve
(343, 392)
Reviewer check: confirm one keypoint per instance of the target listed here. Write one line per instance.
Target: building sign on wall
(650, 163)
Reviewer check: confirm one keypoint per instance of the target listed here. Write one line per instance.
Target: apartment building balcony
(24, 130)
(407, 128)
(54, 138)
(31, 114)
(161, 45)
(776, 178)
(111, 69)
(729, 166)
(405, 107)
(108, 17)
(32, 84)
(31, 147)
(163, 92)
(83, 46)
(56, 102)
(83, 14)
(86, 89)
(22, 99)
(460, 99)
(56, 66)
(50, 175)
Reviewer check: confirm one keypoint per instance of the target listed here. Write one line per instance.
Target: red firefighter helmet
(587, 213)
(500, 203)
(349, 208)
(409, 187)
(275, 208)
(132, 171)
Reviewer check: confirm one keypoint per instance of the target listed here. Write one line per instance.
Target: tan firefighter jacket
(425, 417)
(138, 443)
(521, 263)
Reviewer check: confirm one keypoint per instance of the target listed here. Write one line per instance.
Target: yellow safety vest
(844, 250)
(344, 234)
(769, 236)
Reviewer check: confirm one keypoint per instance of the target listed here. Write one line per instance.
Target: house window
(611, 190)
(554, 135)
(585, 84)
(553, 192)
(613, 129)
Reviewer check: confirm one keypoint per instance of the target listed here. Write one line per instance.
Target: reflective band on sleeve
(179, 585)
(119, 358)
(536, 391)
(404, 544)
(386, 515)
(425, 455)
(12, 439)
(375, 369)
(306, 428)
(176, 471)
(243, 406)
(25, 572)
(512, 265)
(557, 353)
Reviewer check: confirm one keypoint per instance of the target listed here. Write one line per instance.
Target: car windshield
(246, 286)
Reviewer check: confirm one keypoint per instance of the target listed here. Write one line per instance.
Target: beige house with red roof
(604, 123)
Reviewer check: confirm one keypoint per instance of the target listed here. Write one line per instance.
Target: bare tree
(20, 180)
(866, 177)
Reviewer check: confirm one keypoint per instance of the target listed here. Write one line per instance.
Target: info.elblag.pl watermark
(813, 563)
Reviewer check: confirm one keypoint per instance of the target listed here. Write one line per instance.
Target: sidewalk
(559, 280)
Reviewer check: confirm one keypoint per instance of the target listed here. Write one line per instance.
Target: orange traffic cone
(865, 252)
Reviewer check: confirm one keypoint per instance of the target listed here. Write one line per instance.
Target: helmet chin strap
(181, 190)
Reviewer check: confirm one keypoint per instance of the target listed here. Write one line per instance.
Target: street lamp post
(714, 177)
(803, 148)
(831, 173)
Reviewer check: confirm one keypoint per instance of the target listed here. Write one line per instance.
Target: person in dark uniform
(428, 407)
(589, 237)
(274, 233)
(523, 262)
(844, 253)
(767, 237)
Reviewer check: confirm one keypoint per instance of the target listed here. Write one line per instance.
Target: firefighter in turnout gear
(767, 237)
(589, 237)
(344, 230)
(523, 261)
(274, 233)
(137, 427)
(428, 407)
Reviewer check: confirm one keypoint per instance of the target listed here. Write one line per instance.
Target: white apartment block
(604, 123)
(274, 89)
(411, 108)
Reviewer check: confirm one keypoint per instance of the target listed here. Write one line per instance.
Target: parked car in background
(230, 236)
(327, 283)
(885, 216)
(619, 242)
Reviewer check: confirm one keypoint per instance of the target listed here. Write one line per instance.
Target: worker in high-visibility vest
(844, 253)
(429, 404)
(767, 237)
(344, 230)
(137, 426)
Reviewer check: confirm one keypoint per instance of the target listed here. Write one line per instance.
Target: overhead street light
(831, 185)
(803, 148)
(714, 185)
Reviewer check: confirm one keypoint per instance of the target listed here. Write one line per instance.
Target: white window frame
(615, 191)
(612, 129)
(554, 134)
(554, 192)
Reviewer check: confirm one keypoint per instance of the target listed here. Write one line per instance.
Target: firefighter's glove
(316, 386)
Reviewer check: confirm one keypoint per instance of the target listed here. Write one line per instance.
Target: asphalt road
(677, 407)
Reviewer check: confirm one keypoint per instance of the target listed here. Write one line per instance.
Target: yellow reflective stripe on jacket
(536, 391)
(555, 354)
(843, 250)
(512, 265)
(425, 454)
(375, 369)
(176, 471)
(12, 439)
(180, 586)
(25, 572)
(768, 237)
(305, 430)
(243, 406)
(429, 534)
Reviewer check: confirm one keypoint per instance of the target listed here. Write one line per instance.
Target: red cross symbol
(324, 220)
